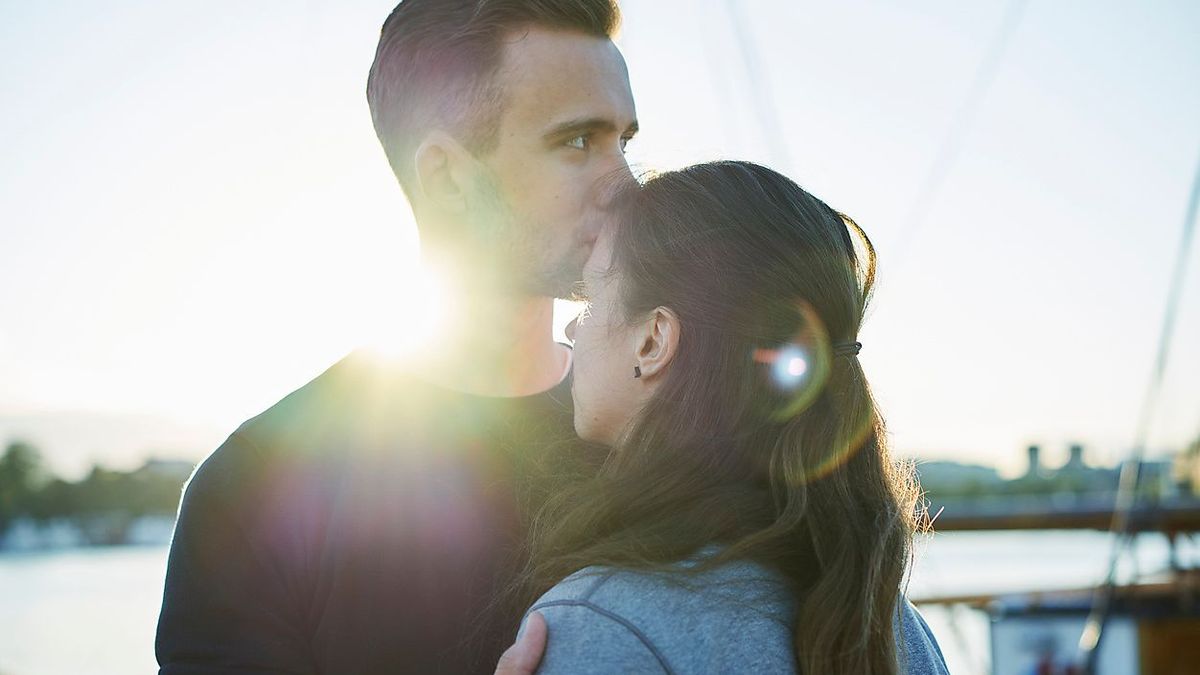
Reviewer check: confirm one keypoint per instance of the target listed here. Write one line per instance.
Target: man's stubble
(518, 251)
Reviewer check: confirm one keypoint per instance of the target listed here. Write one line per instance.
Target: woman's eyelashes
(579, 293)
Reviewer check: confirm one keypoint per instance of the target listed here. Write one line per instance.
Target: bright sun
(417, 311)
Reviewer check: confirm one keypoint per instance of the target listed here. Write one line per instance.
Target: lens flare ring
(799, 371)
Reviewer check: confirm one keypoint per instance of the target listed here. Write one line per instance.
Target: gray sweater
(734, 619)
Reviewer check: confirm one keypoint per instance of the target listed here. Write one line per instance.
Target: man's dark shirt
(367, 523)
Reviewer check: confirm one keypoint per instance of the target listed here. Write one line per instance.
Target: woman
(748, 517)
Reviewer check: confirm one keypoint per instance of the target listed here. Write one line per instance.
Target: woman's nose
(570, 330)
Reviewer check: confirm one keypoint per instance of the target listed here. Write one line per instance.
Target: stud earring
(637, 372)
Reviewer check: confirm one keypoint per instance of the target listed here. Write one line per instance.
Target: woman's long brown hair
(778, 460)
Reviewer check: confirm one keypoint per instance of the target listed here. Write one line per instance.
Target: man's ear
(443, 171)
(658, 341)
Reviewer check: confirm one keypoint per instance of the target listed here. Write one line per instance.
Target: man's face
(567, 113)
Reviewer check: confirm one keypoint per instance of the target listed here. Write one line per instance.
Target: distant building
(1079, 477)
(1156, 477)
(1075, 477)
(1185, 471)
(1034, 468)
(1074, 458)
(168, 468)
(952, 478)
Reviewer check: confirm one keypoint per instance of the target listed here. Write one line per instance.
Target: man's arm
(226, 608)
(523, 657)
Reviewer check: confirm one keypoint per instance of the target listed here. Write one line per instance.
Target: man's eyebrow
(586, 124)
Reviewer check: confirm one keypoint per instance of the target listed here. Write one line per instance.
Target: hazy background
(196, 218)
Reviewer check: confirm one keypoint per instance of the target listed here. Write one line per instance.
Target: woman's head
(718, 293)
(707, 361)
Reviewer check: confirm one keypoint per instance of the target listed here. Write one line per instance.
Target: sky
(196, 218)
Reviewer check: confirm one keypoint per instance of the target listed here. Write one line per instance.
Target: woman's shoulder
(916, 647)
(731, 587)
(735, 617)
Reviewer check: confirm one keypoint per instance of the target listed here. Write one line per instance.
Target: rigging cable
(719, 78)
(1089, 641)
(952, 144)
(764, 103)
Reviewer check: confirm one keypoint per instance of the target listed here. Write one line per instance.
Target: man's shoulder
(365, 407)
(293, 455)
(325, 400)
(358, 401)
(319, 417)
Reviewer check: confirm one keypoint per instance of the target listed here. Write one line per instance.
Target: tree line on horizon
(29, 490)
(106, 502)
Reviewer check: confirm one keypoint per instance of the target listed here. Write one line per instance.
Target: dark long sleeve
(226, 605)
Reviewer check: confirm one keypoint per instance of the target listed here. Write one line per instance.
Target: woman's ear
(658, 341)
(443, 169)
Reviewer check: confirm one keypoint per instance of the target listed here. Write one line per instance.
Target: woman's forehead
(599, 261)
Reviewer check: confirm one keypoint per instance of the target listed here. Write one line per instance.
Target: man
(371, 521)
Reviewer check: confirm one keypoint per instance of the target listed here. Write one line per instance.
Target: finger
(523, 657)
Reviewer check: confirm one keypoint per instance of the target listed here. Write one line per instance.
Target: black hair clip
(847, 348)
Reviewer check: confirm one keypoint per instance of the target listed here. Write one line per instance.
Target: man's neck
(498, 346)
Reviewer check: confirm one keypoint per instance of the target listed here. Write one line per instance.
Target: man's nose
(570, 330)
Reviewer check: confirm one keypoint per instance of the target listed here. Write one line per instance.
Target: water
(94, 610)
(80, 611)
(964, 563)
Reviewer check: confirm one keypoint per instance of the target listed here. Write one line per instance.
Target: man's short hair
(436, 62)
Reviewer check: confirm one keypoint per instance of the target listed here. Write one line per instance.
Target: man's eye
(625, 141)
(579, 143)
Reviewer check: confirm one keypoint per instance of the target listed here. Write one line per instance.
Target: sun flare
(418, 311)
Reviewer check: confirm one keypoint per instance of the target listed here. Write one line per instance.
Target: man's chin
(562, 284)
(536, 288)
(564, 290)
(552, 281)
(559, 283)
(560, 287)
